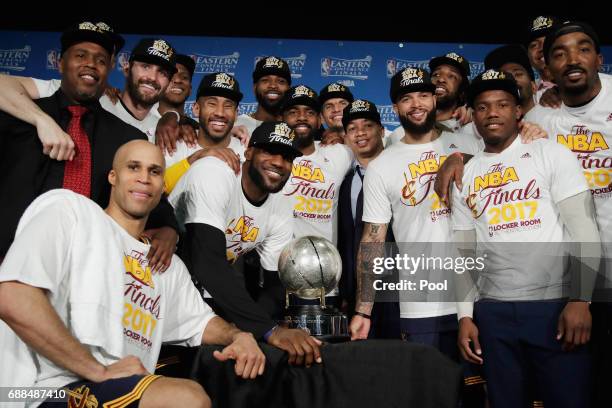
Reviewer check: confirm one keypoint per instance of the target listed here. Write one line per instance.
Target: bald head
(134, 149)
(137, 178)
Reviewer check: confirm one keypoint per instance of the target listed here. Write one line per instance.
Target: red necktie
(77, 173)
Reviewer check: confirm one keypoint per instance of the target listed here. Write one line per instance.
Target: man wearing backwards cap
(537, 319)
(271, 80)
(226, 216)
(584, 125)
(29, 171)
(216, 107)
(364, 136)
(513, 59)
(399, 185)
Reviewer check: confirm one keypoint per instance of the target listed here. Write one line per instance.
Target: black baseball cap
(335, 90)
(220, 84)
(301, 95)
(155, 51)
(568, 27)
(492, 80)
(540, 27)
(410, 79)
(275, 134)
(454, 60)
(360, 109)
(89, 32)
(506, 54)
(186, 61)
(272, 66)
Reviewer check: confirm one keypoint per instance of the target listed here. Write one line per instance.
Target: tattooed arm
(372, 246)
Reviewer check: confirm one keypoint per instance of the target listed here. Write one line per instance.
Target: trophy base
(324, 323)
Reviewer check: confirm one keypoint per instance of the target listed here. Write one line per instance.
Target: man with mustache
(398, 185)
(225, 217)
(314, 186)
(521, 202)
(271, 80)
(85, 314)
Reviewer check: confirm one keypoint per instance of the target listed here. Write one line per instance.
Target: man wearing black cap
(29, 171)
(538, 28)
(271, 80)
(333, 98)
(227, 216)
(523, 319)
(364, 136)
(398, 185)
(514, 59)
(450, 74)
(216, 107)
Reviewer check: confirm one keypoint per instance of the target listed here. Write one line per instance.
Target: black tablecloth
(372, 373)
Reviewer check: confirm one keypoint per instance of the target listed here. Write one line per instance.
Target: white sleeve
(203, 195)
(40, 251)
(461, 216)
(376, 203)
(47, 87)
(188, 314)
(566, 177)
(280, 235)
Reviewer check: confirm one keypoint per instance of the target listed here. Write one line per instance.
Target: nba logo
(391, 67)
(123, 60)
(53, 57)
(325, 66)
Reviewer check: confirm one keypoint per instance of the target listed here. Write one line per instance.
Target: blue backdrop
(363, 66)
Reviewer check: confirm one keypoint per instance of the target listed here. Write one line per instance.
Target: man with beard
(29, 167)
(225, 216)
(450, 75)
(271, 80)
(398, 185)
(514, 60)
(216, 106)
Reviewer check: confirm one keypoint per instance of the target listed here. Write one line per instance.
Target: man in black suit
(364, 135)
(28, 167)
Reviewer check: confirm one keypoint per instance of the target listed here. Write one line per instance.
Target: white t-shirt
(511, 200)
(155, 308)
(399, 185)
(147, 126)
(313, 189)
(210, 193)
(587, 132)
(249, 122)
(183, 151)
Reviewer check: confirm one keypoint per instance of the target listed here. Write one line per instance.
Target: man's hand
(167, 132)
(163, 243)
(359, 328)
(242, 133)
(574, 325)
(188, 134)
(224, 153)
(56, 143)
(463, 114)
(530, 132)
(331, 137)
(302, 348)
(550, 98)
(468, 335)
(451, 170)
(125, 367)
(250, 360)
(112, 93)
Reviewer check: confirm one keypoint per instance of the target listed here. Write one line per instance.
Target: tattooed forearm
(372, 246)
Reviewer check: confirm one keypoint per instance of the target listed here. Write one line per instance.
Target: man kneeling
(86, 312)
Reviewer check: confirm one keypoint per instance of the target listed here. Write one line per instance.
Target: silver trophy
(310, 268)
